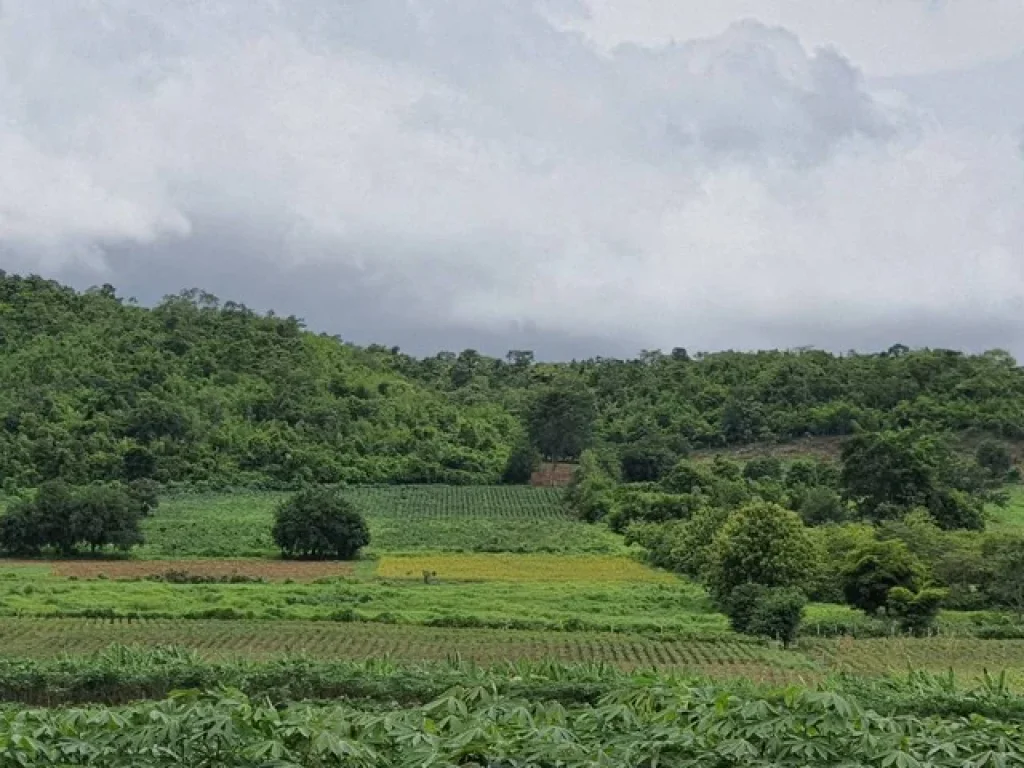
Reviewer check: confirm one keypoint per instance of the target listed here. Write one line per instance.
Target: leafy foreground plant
(655, 726)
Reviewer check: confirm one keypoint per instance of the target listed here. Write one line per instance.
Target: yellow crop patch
(512, 567)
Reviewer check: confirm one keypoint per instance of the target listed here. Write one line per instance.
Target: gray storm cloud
(467, 165)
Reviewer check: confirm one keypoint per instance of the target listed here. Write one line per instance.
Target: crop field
(213, 569)
(401, 518)
(640, 606)
(593, 569)
(732, 657)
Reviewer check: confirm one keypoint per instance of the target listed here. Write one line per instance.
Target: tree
(560, 420)
(763, 468)
(760, 543)
(915, 612)
(646, 460)
(821, 505)
(67, 518)
(320, 523)
(877, 568)
(522, 462)
(994, 457)
(1007, 564)
(888, 470)
(106, 515)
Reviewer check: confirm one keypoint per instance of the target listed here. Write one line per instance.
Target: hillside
(201, 392)
(94, 388)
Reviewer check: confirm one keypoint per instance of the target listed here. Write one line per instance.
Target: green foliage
(763, 468)
(1005, 558)
(320, 523)
(877, 568)
(915, 612)
(994, 457)
(761, 543)
(688, 477)
(647, 460)
(66, 518)
(522, 462)
(589, 495)
(777, 614)
(692, 723)
(889, 473)
(820, 505)
(635, 506)
(560, 420)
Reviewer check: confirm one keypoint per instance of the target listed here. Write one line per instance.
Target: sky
(576, 177)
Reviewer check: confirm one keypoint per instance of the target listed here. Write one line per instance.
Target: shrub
(778, 614)
(646, 460)
(877, 568)
(320, 523)
(915, 612)
(67, 518)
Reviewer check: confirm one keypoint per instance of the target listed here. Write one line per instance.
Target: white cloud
(500, 169)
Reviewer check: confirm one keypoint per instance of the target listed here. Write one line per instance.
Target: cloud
(452, 165)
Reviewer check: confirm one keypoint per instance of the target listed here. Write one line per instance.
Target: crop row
(38, 637)
(459, 501)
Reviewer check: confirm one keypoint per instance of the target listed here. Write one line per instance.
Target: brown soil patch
(553, 475)
(270, 570)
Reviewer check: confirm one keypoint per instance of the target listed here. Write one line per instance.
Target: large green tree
(761, 543)
(560, 420)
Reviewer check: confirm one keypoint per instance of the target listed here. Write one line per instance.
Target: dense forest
(210, 393)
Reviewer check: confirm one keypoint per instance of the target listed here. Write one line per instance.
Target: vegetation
(65, 519)
(319, 523)
(658, 724)
(93, 387)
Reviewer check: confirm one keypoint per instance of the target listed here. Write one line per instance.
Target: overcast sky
(574, 176)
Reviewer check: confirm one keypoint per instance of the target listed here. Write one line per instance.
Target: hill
(192, 390)
(196, 391)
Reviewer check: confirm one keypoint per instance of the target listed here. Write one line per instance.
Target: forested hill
(95, 388)
(196, 391)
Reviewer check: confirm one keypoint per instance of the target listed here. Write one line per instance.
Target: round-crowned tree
(761, 543)
(320, 523)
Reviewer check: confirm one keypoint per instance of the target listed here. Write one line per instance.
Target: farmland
(492, 603)
(435, 518)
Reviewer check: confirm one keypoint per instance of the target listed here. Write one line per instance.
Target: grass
(1009, 518)
(675, 606)
(401, 518)
(592, 569)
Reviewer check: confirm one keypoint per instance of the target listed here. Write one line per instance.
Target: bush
(778, 615)
(754, 609)
(915, 612)
(648, 507)
(877, 568)
(320, 523)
